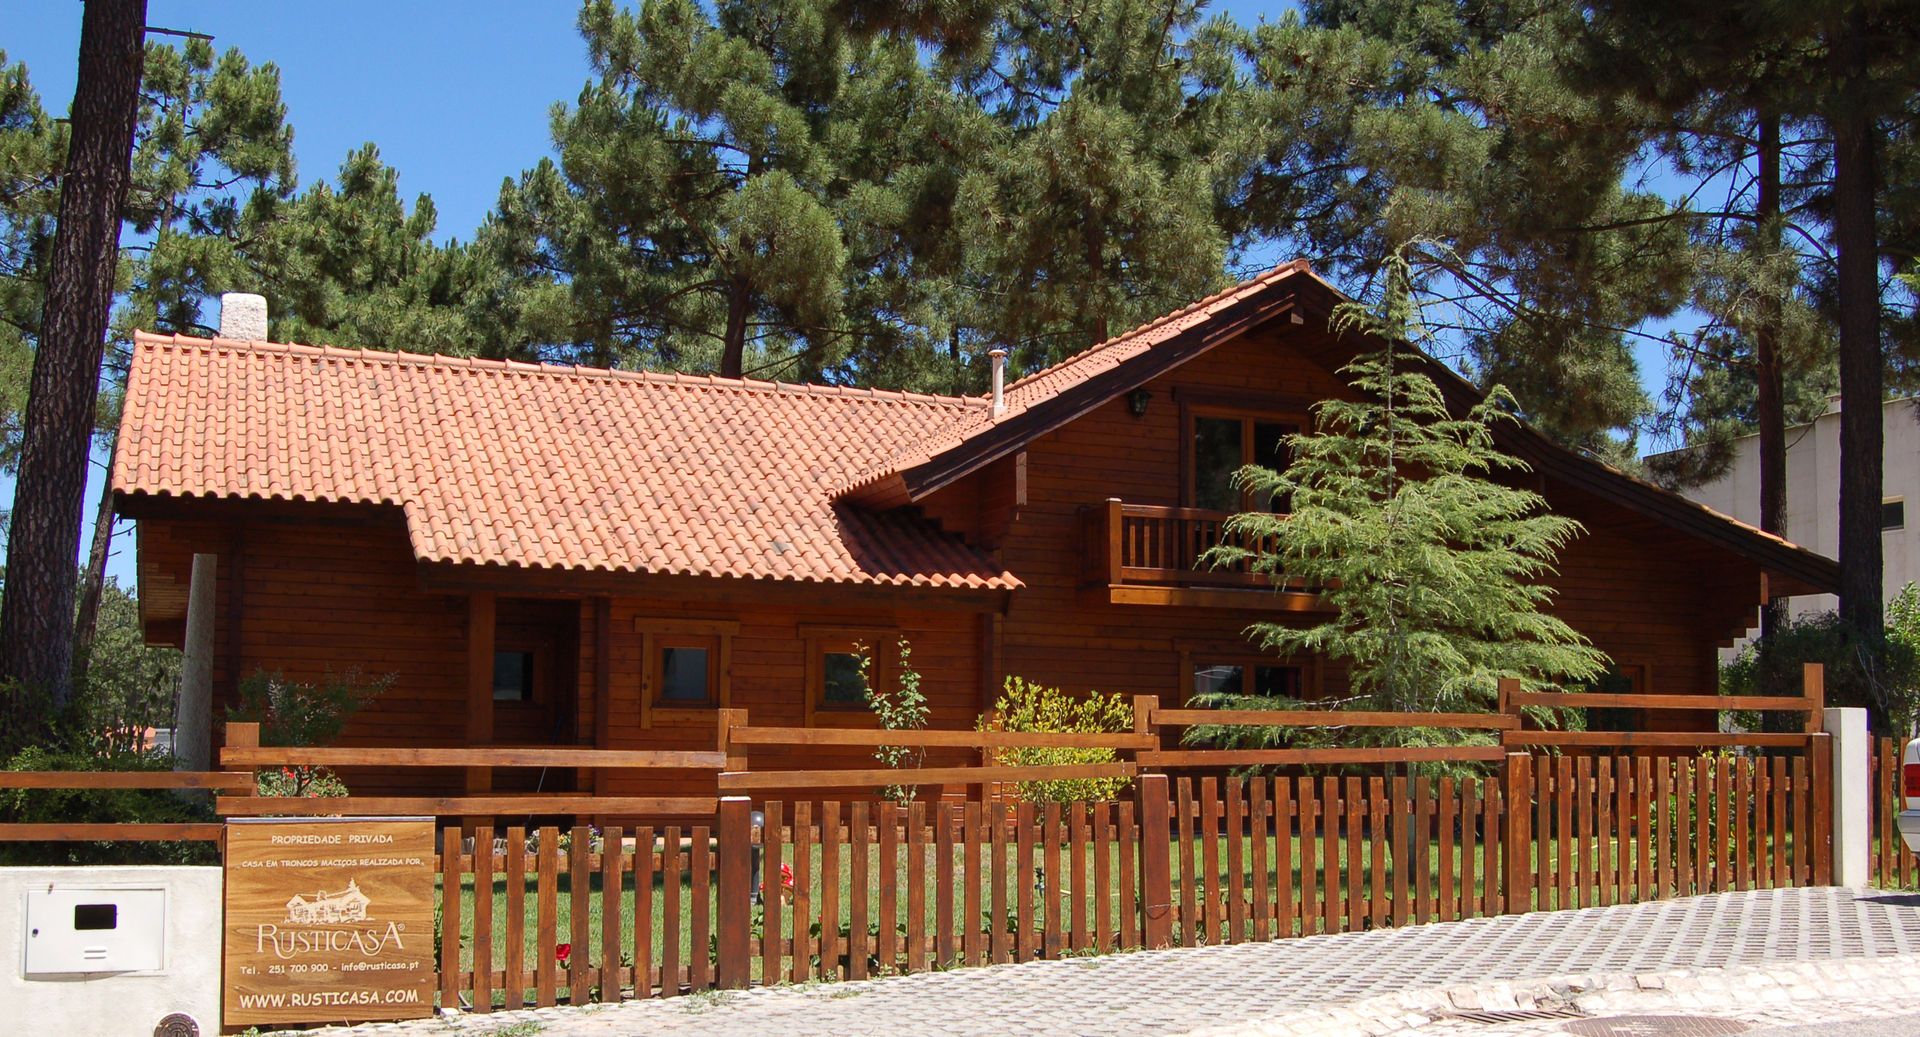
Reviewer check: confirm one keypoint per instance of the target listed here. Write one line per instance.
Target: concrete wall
(111, 1004)
(1813, 492)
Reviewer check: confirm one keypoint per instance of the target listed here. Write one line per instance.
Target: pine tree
(44, 531)
(1433, 567)
(1387, 121)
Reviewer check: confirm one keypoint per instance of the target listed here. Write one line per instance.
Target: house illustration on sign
(348, 905)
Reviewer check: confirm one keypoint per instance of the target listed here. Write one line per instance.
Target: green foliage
(129, 689)
(902, 709)
(296, 713)
(1880, 675)
(292, 713)
(100, 806)
(1027, 706)
(1433, 570)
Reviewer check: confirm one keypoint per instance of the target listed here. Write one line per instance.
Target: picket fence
(848, 890)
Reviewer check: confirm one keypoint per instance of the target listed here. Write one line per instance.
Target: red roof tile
(547, 467)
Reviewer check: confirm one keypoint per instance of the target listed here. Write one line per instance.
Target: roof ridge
(445, 360)
(1288, 268)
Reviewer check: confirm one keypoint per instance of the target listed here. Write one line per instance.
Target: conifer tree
(1432, 566)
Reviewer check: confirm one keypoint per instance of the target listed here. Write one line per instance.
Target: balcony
(1148, 554)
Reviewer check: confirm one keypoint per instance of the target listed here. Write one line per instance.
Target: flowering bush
(298, 783)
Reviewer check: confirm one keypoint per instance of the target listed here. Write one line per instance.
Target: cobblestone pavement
(1787, 946)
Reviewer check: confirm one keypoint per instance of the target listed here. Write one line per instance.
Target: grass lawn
(1305, 859)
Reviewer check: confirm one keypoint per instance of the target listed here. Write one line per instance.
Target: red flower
(562, 952)
(786, 877)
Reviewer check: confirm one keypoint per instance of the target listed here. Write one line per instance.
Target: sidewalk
(1778, 947)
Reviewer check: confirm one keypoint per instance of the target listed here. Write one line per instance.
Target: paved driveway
(1226, 988)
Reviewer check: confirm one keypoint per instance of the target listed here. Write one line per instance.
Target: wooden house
(553, 555)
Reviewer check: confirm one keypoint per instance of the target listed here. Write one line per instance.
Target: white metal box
(93, 929)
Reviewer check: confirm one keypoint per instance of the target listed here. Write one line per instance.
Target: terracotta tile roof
(549, 467)
(1051, 382)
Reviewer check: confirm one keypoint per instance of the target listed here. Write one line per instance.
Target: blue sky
(456, 96)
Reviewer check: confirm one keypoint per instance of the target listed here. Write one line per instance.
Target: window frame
(657, 635)
(1902, 501)
(1249, 414)
(822, 639)
(1216, 653)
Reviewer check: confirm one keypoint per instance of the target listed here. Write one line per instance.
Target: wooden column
(602, 684)
(1156, 866)
(735, 936)
(193, 719)
(480, 619)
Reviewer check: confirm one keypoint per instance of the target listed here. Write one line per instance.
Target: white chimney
(243, 316)
(999, 407)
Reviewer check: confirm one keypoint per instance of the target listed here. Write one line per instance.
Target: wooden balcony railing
(1151, 544)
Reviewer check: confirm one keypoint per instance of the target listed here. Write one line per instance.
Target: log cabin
(548, 555)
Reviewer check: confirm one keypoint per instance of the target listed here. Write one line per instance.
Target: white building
(1813, 491)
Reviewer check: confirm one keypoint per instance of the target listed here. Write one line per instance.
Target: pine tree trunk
(1772, 405)
(93, 580)
(36, 646)
(733, 348)
(1860, 360)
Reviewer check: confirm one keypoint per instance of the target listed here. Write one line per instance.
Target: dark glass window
(683, 675)
(1231, 679)
(1893, 514)
(513, 676)
(1216, 456)
(843, 686)
(1221, 446)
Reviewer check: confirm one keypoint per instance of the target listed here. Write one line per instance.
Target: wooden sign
(329, 920)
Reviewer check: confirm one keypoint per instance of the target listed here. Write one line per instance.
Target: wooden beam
(829, 779)
(236, 610)
(1301, 757)
(465, 806)
(1332, 718)
(1642, 739)
(124, 780)
(873, 738)
(112, 832)
(1569, 699)
(1255, 599)
(480, 631)
(482, 756)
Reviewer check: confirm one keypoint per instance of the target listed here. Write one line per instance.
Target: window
(1623, 679)
(1226, 668)
(687, 669)
(1280, 681)
(1893, 514)
(1221, 445)
(844, 688)
(836, 692)
(686, 675)
(513, 676)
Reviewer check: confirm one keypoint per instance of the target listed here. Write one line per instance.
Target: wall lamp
(1137, 402)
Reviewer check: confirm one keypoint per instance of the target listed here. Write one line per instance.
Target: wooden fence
(855, 889)
(1894, 866)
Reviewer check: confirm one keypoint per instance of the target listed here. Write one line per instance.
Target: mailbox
(81, 929)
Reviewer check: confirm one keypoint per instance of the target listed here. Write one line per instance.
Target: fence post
(736, 893)
(1813, 684)
(1156, 873)
(1852, 796)
(1519, 838)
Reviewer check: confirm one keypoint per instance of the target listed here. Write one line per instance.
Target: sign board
(329, 920)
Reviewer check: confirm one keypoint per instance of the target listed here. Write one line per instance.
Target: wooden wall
(1636, 588)
(315, 599)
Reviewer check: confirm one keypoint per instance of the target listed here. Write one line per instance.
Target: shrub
(1028, 706)
(903, 709)
(100, 806)
(291, 713)
(1877, 673)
